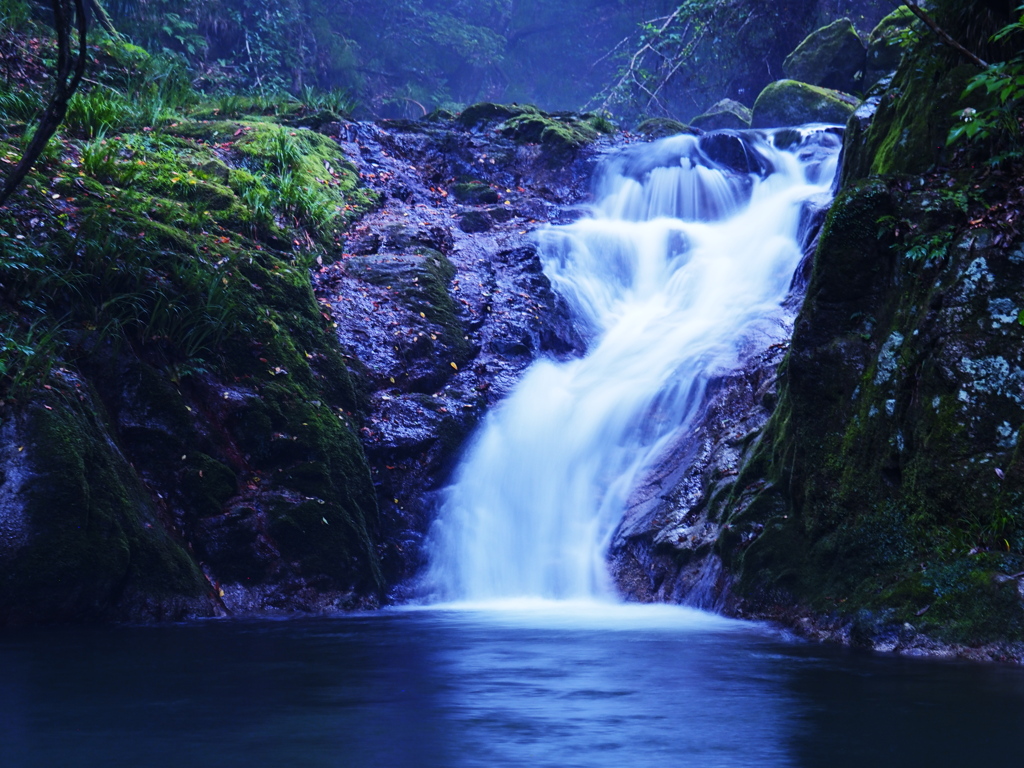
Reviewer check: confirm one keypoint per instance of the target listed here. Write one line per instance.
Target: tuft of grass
(100, 111)
(18, 106)
(338, 102)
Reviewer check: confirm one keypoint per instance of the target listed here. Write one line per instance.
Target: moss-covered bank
(886, 489)
(184, 415)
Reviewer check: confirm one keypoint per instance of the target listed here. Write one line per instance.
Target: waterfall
(691, 247)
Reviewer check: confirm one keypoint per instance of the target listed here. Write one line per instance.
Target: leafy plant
(100, 158)
(1002, 83)
(27, 355)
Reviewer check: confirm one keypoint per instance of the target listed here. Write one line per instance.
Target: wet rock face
(666, 549)
(901, 412)
(440, 299)
(80, 539)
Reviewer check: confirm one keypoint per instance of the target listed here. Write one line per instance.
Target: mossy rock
(94, 537)
(787, 103)
(660, 127)
(832, 57)
(333, 533)
(727, 114)
(439, 115)
(486, 112)
(886, 44)
(475, 193)
(214, 170)
(420, 281)
(197, 305)
(558, 136)
(209, 484)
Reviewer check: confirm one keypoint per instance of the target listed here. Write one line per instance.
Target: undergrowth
(166, 236)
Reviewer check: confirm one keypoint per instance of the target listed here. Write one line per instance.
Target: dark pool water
(561, 686)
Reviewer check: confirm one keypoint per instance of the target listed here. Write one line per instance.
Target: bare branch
(630, 73)
(944, 36)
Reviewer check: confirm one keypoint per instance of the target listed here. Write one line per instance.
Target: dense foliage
(1002, 82)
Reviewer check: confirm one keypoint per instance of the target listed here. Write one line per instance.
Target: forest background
(405, 58)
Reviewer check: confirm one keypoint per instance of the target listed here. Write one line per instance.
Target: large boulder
(832, 57)
(725, 114)
(788, 102)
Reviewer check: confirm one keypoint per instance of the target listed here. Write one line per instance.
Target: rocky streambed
(439, 297)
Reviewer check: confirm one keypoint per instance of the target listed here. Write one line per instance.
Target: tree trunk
(70, 68)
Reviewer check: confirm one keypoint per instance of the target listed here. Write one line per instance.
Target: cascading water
(692, 246)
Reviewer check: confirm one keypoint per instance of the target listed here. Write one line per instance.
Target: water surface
(565, 685)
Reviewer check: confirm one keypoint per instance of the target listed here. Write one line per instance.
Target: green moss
(175, 279)
(908, 134)
(871, 493)
(475, 193)
(557, 136)
(486, 112)
(297, 173)
(208, 483)
(788, 102)
(887, 43)
(334, 532)
(420, 281)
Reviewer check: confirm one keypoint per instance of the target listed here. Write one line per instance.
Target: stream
(684, 264)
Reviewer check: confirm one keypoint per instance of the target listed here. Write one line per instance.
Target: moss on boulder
(887, 43)
(833, 57)
(487, 112)
(221, 413)
(788, 102)
(475, 193)
(557, 135)
(908, 134)
(724, 114)
(660, 127)
(888, 486)
(420, 281)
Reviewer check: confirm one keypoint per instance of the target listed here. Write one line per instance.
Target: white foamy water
(681, 263)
